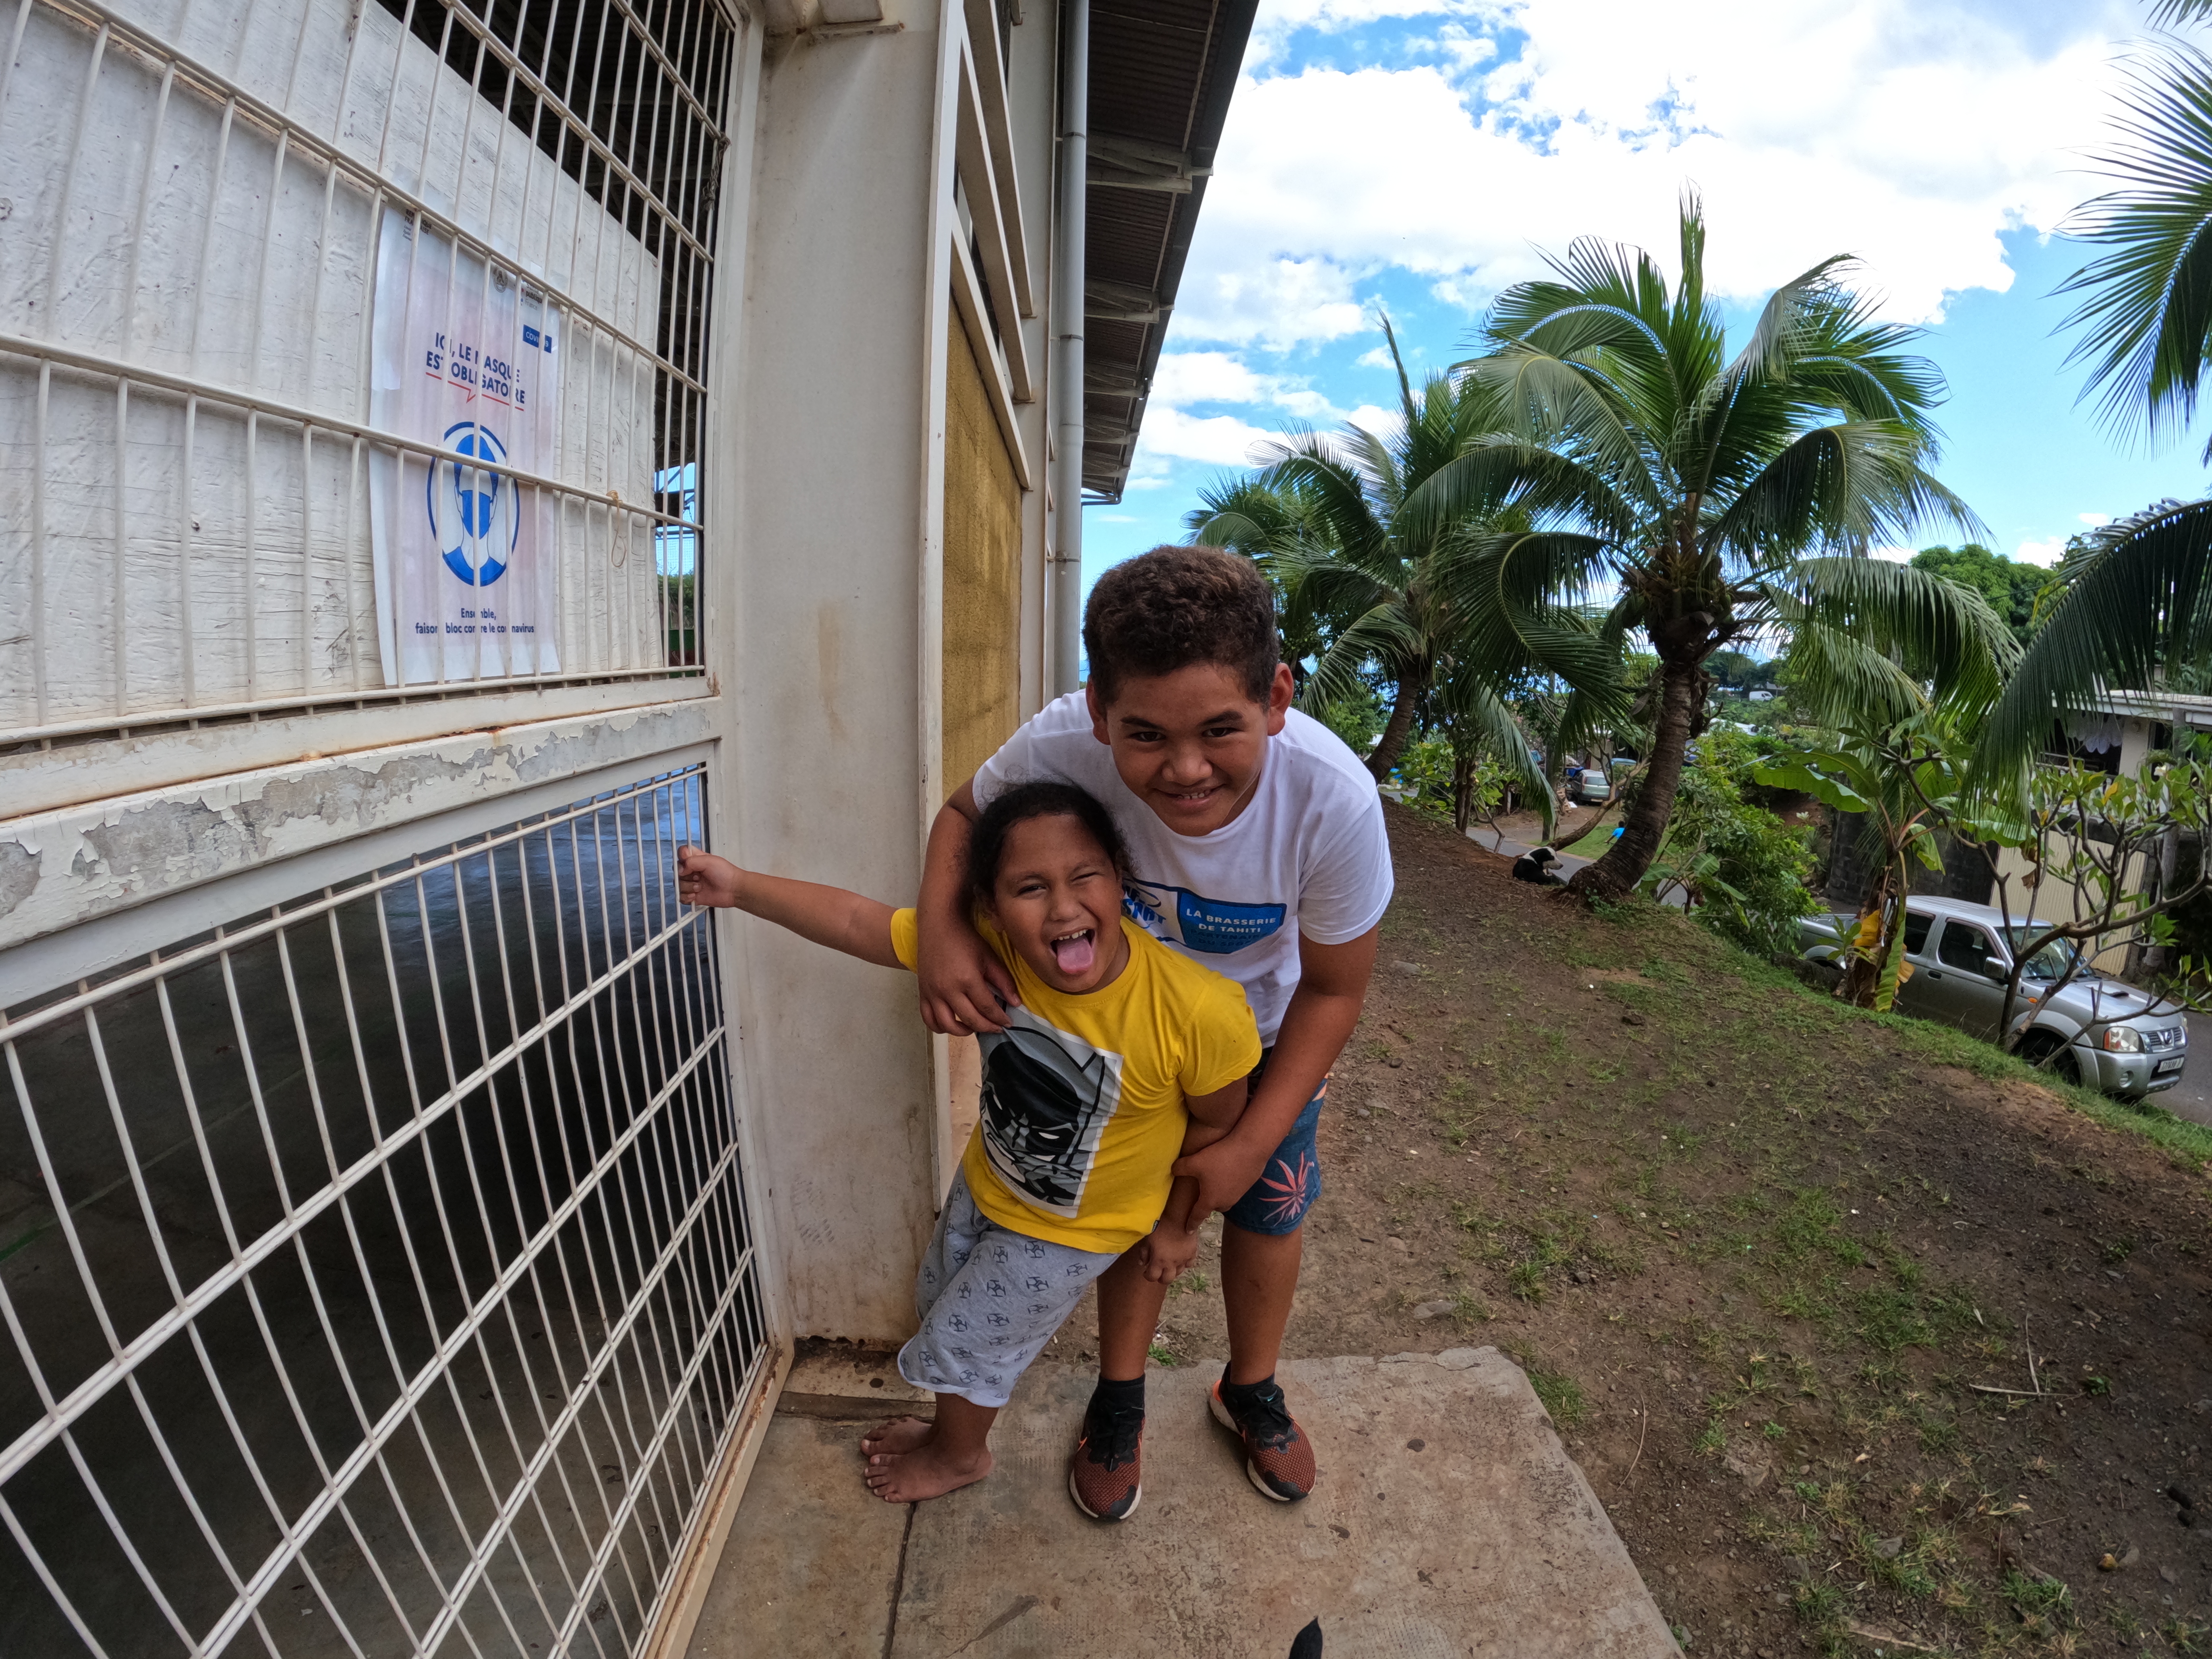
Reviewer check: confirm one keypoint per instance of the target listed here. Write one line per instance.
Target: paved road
(2193, 1096)
(1491, 841)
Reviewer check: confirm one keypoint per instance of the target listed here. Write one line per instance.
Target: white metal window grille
(192, 197)
(376, 1273)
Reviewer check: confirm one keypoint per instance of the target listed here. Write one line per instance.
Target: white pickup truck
(2097, 1031)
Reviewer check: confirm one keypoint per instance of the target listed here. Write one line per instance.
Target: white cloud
(1377, 358)
(1382, 423)
(1185, 378)
(1221, 438)
(1894, 555)
(1277, 303)
(1910, 132)
(2095, 520)
(2046, 553)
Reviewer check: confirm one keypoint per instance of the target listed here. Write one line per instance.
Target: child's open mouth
(1074, 952)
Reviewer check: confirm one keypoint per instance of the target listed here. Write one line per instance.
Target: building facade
(452, 453)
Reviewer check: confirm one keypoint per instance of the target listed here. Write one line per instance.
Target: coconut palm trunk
(1398, 731)
(1681, 698)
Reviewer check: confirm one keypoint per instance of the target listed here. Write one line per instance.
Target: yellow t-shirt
(1083, 1096)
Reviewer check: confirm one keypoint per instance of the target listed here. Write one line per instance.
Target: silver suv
(2101, 1032)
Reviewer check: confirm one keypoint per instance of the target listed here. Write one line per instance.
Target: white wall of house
(826, 599)
(817, 603)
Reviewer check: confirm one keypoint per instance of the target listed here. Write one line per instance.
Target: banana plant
(1908, 776)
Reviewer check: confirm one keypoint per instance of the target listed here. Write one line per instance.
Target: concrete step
(1449, 1521)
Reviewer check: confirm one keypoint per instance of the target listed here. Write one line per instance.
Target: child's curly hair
(987, 847)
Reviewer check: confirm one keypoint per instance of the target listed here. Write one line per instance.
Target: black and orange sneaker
(1106, 1476)
(1278, 1456)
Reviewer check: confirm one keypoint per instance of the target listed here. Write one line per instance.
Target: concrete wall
(845, 557)
(825, 407)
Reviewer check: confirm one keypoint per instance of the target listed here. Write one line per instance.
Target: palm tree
(2136, 607)
(1378, 584)
(1720, 500)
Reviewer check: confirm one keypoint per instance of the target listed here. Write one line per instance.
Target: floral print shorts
(1286, 1188)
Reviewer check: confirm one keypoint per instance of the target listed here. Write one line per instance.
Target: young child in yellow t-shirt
(1121, 1056)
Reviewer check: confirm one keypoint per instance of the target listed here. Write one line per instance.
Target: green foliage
(1907, 773)
(1425, 772)
(2135, 607)
(1696, 485)
(1449, 782)
(1383, 580)
(1358, 717)
(1740, 670)
(2095, 840)
(1742, 870)
(2012, 588)
(2132, 609)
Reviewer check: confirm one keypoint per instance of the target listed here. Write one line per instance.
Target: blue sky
(1416, 154)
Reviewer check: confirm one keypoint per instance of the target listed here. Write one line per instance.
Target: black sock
(1243, 1390)
(1111, 1396)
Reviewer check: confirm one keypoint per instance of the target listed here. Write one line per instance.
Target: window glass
(1916, 931)
(1967, 946)
(2051, 962)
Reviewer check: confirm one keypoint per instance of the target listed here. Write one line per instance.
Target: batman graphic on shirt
(1048, 1097)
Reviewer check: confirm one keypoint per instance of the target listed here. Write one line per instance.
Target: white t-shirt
(1308, 849)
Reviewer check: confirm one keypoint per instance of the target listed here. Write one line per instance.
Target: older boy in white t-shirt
(1258, 847)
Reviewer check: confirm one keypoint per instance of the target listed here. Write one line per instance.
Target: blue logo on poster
(473, 509)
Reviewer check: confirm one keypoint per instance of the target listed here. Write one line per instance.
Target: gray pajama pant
(989, 1299)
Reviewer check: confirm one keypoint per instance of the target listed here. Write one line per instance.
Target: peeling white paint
(88, 861)
(42, 780)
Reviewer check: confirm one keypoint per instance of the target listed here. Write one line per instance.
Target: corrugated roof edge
(1225, 63)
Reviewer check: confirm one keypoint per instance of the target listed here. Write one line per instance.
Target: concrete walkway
(1449, 1522)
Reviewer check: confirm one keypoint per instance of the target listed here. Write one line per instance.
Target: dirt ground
(1757, 1252)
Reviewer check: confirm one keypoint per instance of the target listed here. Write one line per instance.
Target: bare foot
(895, 1435)
(925, 1472)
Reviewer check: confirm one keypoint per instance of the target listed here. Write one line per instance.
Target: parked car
(1596, 783)
(2095, 1030)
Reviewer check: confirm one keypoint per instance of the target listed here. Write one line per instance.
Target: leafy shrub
(1742, 869)
(1358, 720)
(1429, 773)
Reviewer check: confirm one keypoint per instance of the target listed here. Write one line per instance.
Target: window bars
(376, 1274)
(224, 227)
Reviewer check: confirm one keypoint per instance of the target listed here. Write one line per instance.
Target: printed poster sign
(466, 358)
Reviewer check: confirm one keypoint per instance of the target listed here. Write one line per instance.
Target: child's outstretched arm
(829, 915)
(1173, 1245)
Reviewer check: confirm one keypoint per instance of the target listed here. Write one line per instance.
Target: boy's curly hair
(1175, 606)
